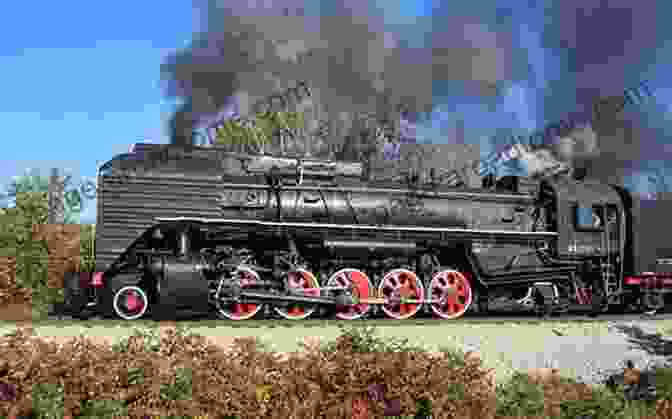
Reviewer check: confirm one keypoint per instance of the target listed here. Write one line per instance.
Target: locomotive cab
(590, 221)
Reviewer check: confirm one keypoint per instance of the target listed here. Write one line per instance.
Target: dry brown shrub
(15, 302)
(63, 244)
(664, 409)
(544, 375)
(304, 385)
(225, 380)
(556, 392)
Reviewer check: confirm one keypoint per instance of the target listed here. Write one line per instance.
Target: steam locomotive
(244, 236)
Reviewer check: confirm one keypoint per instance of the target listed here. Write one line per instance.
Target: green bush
(103, 409)
(48, 401)
(87, 246)
(423, 407)
(150, 338)
(180, 389)
(136, 376)
(605, 405)
(663, 380)
(363, 340)
(520, 397)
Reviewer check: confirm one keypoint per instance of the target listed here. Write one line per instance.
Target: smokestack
(182, 126)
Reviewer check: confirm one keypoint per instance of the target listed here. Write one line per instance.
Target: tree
(16, 238)
(260, 132)
(32, 182)
(87, 243)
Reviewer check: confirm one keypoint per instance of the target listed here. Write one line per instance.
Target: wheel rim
(401, 283)
(306, 284)
(361, 289)
(130, 302)
(242, 311)
(454, 292)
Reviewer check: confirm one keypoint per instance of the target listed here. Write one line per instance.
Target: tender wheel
(397, 285)
(304, 283)
(361, 289)
(130, 302)
(241, 311)
(454, 293)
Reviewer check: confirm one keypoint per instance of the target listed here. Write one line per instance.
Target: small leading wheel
(396, 286)
(130, 302)
(454, 293)
(236, 310)
(304, 283)
(361, 286)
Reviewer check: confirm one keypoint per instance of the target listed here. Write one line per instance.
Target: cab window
(589, 218)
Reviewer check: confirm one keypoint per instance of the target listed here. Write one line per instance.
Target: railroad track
(420, 320)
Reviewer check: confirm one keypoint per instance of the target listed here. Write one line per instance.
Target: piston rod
(292, 298)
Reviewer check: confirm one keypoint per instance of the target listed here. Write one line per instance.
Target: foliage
(603, 405)
(663, 380)
(87, 243)
(33, 182)
(104, 409)
(151, 341)
(32, 257)
(30, 182)
(48, 401)
(136, 376)
(262, 132)
(424, 407)
(180, 388)
(363, 339)
(16, 230)
(520, 397)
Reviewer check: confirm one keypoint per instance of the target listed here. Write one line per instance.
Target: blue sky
(81, 81)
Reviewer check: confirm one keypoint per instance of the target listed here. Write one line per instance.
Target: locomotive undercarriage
(292, 290)
(292, 279)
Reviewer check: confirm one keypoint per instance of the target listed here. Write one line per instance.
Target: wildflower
(264, 393)
(376, 392)
(7, 392)
(393, 408)
(360, 409)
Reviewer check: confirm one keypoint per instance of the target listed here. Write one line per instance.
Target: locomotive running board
(445, 233)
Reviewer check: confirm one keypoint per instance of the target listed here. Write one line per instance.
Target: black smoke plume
(605, 48)
(343, 51)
